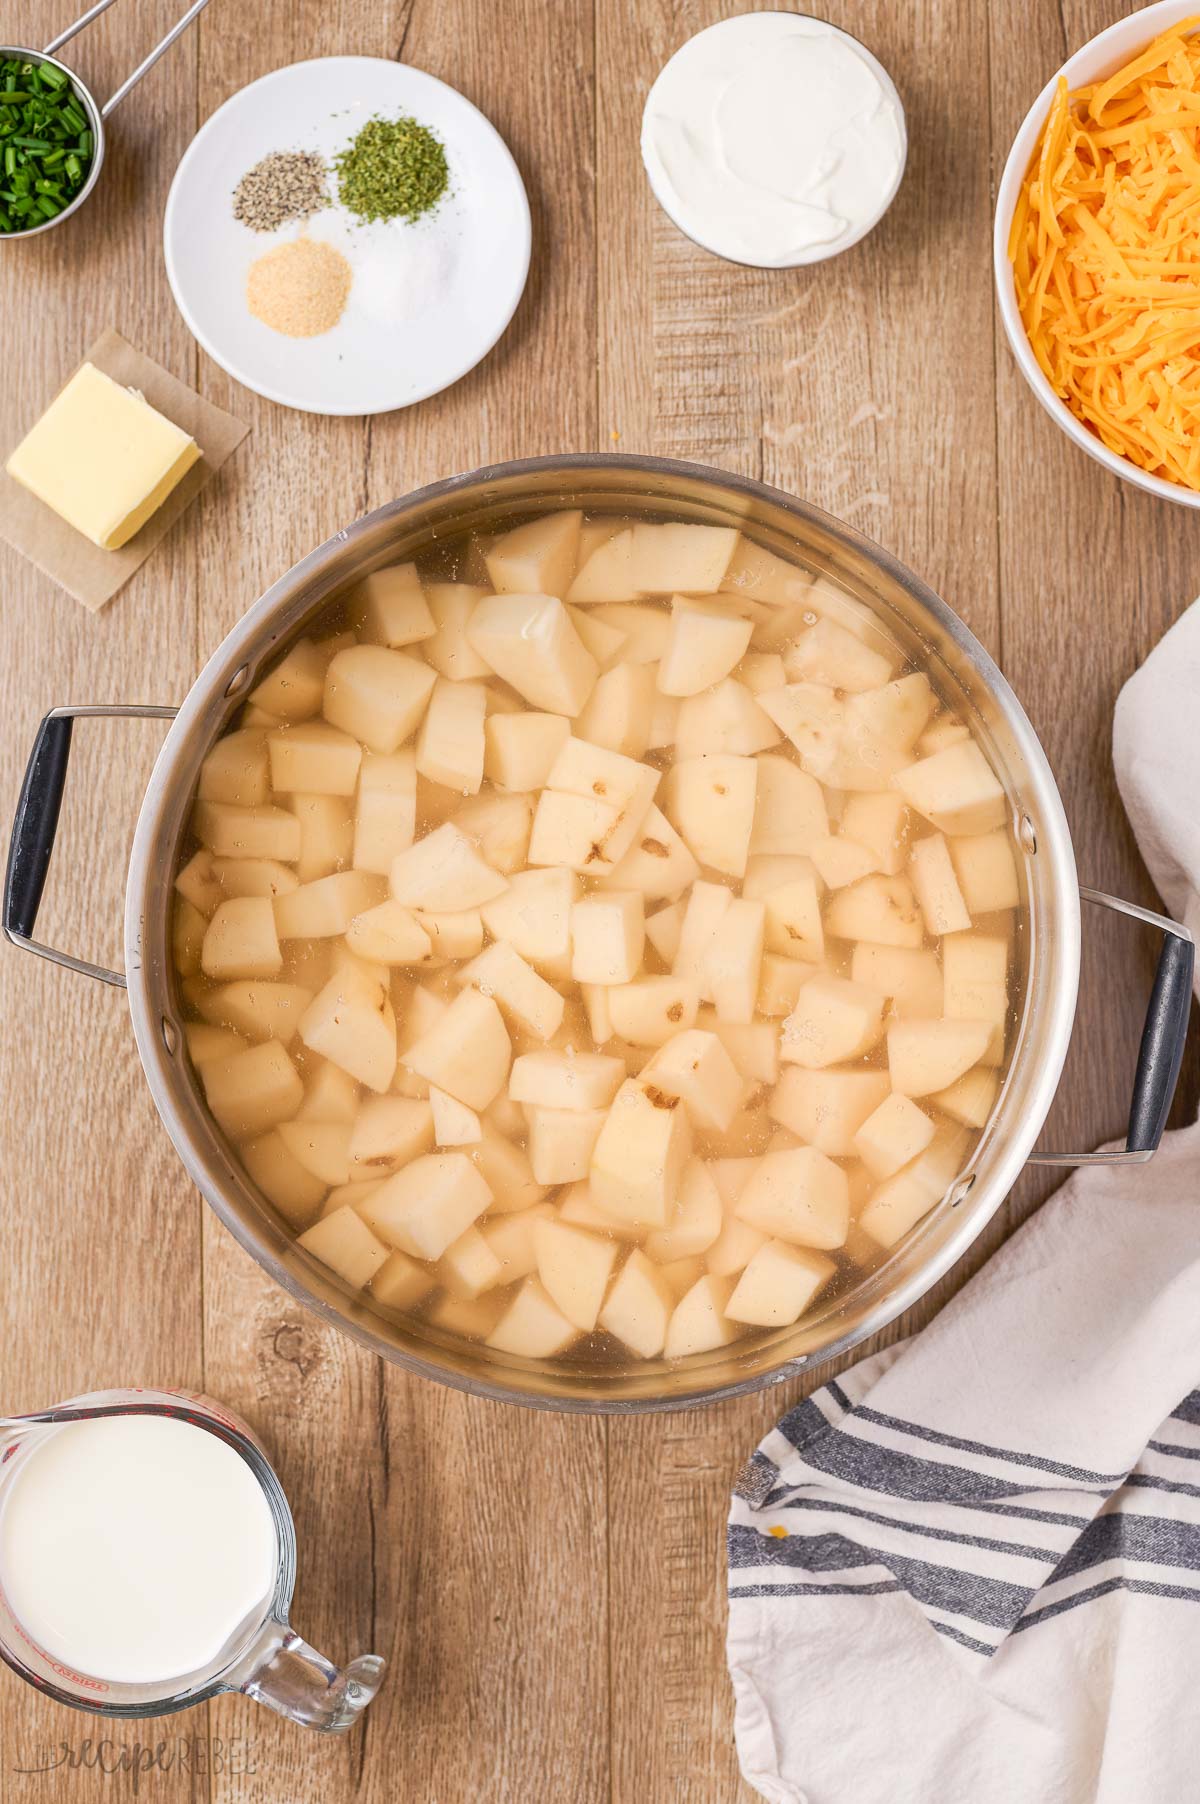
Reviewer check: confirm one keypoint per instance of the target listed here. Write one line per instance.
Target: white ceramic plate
(428, 300)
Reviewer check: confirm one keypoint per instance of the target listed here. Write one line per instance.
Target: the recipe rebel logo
(203, 1755)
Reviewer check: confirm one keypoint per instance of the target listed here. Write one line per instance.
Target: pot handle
(36, 825)
(1163, 1035)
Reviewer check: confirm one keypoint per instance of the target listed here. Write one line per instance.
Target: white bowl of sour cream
(774, 139)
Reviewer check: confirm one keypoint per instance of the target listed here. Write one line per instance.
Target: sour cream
(774, 139)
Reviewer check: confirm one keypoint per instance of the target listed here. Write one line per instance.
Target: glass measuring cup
(266, 1660)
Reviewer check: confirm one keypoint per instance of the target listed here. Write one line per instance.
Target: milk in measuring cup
(134, 1548)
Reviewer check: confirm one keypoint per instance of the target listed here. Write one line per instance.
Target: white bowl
(1099, 57)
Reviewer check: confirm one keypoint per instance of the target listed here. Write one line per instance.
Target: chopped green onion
(48, 207)
(47, 146)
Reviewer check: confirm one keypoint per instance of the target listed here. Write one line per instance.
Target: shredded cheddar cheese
(1105, 248)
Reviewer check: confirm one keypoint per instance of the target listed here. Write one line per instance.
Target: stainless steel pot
(1048, 943)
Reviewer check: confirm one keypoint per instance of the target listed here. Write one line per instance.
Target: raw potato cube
(839, 861)
(604, 641)
(294, 688)
(881, 728)
(385, 814)
(254, 877)
(530, 641)
(881, 909)
(443, 873)
(620, 710)
(789, 814)
(453, 1123)
(473, 1318)
(426, 1207)
(881, 823)
(533, 1327)
(525, 998)
(726, 719)
(389, 608)
(394, 1129)
(388, 934)
(753, 1046)
(734, 964)
(789, 890)
(231, 832)
(911, 980)
(956, 789)
(664, 722)
(263, 1010)
(251, 1091)
(469, 1266)
(563, 1080)
(400, 1283)
(592, 772)
(330, 1093)
(606, 573)
(453, 936)
(313, 759)
(520, 748)
(578, 1209)
(897, 1205)
(827, 1108)
(345, 1243)
(736, 1244)
(664, 930)
(699, 1322)
(760, 575)
(205, 1042)
(608, 936)
(705, 641)
(695, 1222)
(376, 695)
(778, 1285)
(924, 1056)
(575, 1268)
(322, 1147)
(706, 908)
(351, 1023)
(650, 1010)
(710, 800)
(534, 917)
(658, 862)
(640, 1155)
(240, 940)
(829, 653)
(573, 831)
(832, 603)
(327, 907)
(813, 716)
(187, 935)
(537, 558)
(970, 1099)
(467, 1051)
(671, 559)
(197, 883)
(236, 771)
(511, 1240)
(561, 1142)
(975, 971)
(986, 871)
(508, 1172)
(895, 1133)
(797, 1195)
(599, 1015)
(761, 670)
(638, 1307)
(293, 1189)
(780, 981)
(942, 731)
(834, 1021)
(501, 825)
(645, 629)
(450, 742)
(326, 837)
(450, 652)
(695, 1068)
(937, 888)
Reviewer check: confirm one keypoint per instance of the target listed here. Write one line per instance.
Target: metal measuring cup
(96, 114)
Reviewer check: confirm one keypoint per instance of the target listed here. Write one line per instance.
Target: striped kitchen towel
(968, 1571)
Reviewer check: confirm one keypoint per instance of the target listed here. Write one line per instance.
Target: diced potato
(599, 1015)
(607, 573)
(734, 964)
(778, 1285)
(385, 813)
(604, 641)
(780, 981)
(956, 789)
(699, 1322)
(520, 748)
(450, 740)
(251, 1091)
(231, 832)
(511, 1240)
(608, 937)
(453, 1123)
(283, 1180)
(936, 887)
(573, 831)
(206, 1042)
(578, 1208)
(789, 890)
(704, 643)
(664, 721)
(240, 940)
(975, 972)
(798, 1195)
(639, 1157)
(753, 1046)
(293, 690)
(829, 653)
(593, 773)
(620, 710)
(326, 837)
(559, 1080)
(393, 1129)
(706, 907)
(664, 929)
(444, 872)
(645, 628)
(910, 978)
(187, 936)
(710, 800)
(345, 1243)
(313, 759)
(834, 1021)
(450, 652)
(388, 934)
(574, 1267)
(695, 1068)
(452, 936)
(263, 1010)
(942, 731)
(532, 1327)
(658, 862)
(401, 1283)
(322, 1147)
(534, 917)
(528, 1001)
(901, 1201)
(389, 608)
(473, 1317)
(330, 1094)
(561, 1142)
(881, 823)
(508, 1172)
(813, 716)
(971, 1098)
(500, 824)
(467, 1051)
(424, 1208)
(725, 719)
(736, 1244)
(986, 871)
(881, 909)
(892, 1135)
(197, 883)
(254, 876)
(672, 558)
(469, 1266)
(530, 641)
(839, 861)
(827, 1108)
(327, 907)
(236, 771)
(790, 815)
(694, 1223)
(638, 1307)
(650, 1010)
(925, 1056)
(351, 1023)
(376, 695)
(536, 558)
(760, 575)
(761, 670)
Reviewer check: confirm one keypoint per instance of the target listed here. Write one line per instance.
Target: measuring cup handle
(295, 1681)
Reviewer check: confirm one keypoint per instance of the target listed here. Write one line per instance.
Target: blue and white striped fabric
(968, 1572)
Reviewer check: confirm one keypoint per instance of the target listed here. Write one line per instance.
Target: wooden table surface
(549, 1591)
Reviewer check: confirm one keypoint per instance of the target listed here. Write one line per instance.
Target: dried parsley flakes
(394, 169)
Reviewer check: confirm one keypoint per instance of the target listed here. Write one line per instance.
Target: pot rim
(219, 675)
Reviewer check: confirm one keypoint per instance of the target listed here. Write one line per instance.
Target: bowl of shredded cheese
(1097, 249)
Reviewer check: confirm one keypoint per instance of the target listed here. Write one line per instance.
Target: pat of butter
(102, 457)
